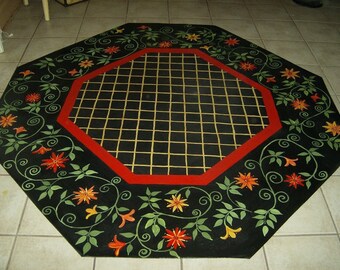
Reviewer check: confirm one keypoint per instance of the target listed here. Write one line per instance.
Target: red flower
(33, 97)
(111, 50)
(42, 150)
(165, 44)
(117, 245)
(271, 79)
(231, 41)
(176, 238)
(55, 162)
(19, 129)
(315, 97)
(73, 72)
(246, 66)
(143, 27)
(294, 180)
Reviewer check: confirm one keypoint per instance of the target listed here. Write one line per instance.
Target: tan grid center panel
(169, 114)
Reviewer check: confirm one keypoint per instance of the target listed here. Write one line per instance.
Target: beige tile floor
(308, 37)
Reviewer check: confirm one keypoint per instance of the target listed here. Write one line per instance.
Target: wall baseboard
(7, 9)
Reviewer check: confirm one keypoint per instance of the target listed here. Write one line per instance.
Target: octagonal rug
(154, 140)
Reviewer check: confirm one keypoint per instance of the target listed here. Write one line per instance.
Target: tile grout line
(330, 213)
(16, 234)
(82, 21)
(265, 257)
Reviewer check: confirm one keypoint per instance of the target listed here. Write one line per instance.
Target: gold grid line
(175, 96)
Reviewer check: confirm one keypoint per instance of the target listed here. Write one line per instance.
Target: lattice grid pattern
(169, 113)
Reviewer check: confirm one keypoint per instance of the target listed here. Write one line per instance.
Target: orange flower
(176, 238)
(300, 104)
(176, 203)
(230, 232)
(231, 41)
(143, 27)
(332, 128)
(117, 245)
(294, 180)
(86, 63)
(32, 98)
(246, 180)
(290, 162)
(127, 217)
(42, 150)
(246, 66)
(290, 73)
(206, 47)
(19, 130)
(7, 121)
(85, 195)
(271, 79)
(192, 37)
(26, 72)
(73, 72)
(165, 44)
(55, 162)
(91, 211)
(111, 50)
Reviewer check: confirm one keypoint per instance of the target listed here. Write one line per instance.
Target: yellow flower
(7, 121)
(332, 128)
(192, 37)
(86, 63)
(91, 211)
(230, 232)
(176, 203)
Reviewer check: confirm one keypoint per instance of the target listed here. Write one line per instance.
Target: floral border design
(101, 215)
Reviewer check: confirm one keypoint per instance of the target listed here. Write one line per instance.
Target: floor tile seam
(168, 10)
(209, 12)
(82, 21)
(332, 92)
(256, 28)
(39, 236)
(265, 257)
(16, 234)
(30, 41)
(329, 210)
(328, 234)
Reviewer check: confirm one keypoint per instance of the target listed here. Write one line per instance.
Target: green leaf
(81, 239)
(230, 220)
(155, 193)
(155, 205)
(261, 211)
(270, 224)
(204, 228)
(187, 193)
(305, 174)
(308, 184)
(50, 193)
(218, 222)
(242, 205)
(123, 209)
(9, 150)
(235, 192)
(275, 212)
(243, 214)
(272, 217)
(206, 236)
(56, 187)
(222, 210)
(93, 241)
(127, 235)
(228, 206)
(172, 192)
(69, 202)
(95, 232)
(149, 223)
(72, 156)
(161, 222)
(129, 249)
(160, 244)
(155, 229)
(194, 234)
(265, 230)
(173, 253)
(201, 221)
(144, 205)
(259, 223)
(63, 195)
(103, 207)
(148, 192)
(90, 172)
(189, 225)
(222, 186)
(259, 217)
(98, 217)
(149, 215)
(86, 248)
(42, 196)
(234, 214)
(114, 217)
(82, 232)
(219, 216)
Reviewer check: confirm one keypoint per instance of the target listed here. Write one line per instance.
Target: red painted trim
(203, 179)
